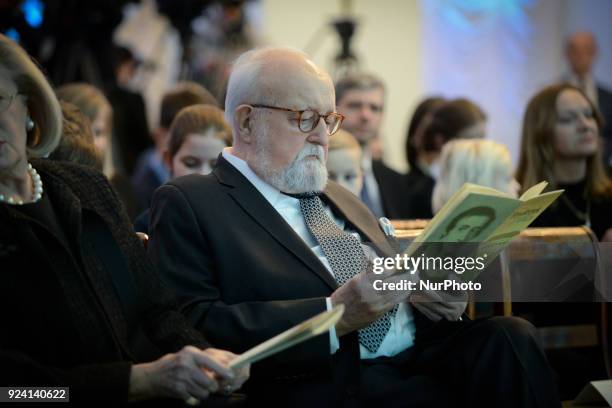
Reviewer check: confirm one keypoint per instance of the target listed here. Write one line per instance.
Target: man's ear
(244, 123)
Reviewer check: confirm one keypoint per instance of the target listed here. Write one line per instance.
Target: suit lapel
(262, 213)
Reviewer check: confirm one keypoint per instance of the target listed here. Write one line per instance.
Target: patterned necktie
(346, 259)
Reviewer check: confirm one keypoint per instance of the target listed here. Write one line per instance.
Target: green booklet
(481, 221)
(312, 327)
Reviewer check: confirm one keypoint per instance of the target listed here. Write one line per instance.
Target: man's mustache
(312, 150)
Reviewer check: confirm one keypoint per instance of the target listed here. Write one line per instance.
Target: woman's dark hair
(449, 120)
(425, 107)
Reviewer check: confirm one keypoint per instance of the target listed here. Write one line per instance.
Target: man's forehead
(368, 95)
(299, 90)
(582, 40)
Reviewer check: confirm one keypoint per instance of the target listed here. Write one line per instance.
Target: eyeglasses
(6, 101)
(309, 119)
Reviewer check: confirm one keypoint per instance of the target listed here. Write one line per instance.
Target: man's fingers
(207, 360)
(203, 380)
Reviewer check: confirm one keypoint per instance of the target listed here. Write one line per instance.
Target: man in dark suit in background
(265, 242)
(361, 99)
(581, 52)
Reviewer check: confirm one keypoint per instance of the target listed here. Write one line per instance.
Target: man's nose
(320, 134)
(365, 112)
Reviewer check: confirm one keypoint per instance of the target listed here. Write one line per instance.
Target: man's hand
(438, 304)
(363, 304)
(188, 374)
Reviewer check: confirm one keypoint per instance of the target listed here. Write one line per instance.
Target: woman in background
(436, 122)
(477, 161)
(344, 161)
(561, 144)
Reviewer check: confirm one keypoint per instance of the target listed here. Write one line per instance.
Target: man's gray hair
(244, 85)
(359, 81)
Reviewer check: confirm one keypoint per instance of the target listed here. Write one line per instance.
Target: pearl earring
(29, 124)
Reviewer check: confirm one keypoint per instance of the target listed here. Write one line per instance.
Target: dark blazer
(111, 308)
(393, 192)
(604, 100)
(245, 275)
(420, 189)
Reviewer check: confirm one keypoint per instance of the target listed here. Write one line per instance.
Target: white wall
(387, 43)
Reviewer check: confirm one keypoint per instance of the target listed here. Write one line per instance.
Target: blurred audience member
(477, 161)
(92, 102)
(560, 144)
(581, 52)
(457, 118)
(419, 183)
(151, 171)
(98, 319)
(454, 119)
(222, 32)
(130, 128)
(360, 98)
(77, 141)
(344, 161)
(197, 137)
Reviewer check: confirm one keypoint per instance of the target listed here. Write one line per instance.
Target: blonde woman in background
(478, 161)
(344, 161)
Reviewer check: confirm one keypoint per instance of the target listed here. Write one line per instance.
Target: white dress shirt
(401, 334)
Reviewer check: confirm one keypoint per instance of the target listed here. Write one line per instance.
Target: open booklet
(306, 330)
(480, 220)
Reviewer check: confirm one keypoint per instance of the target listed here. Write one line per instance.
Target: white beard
(303, 175)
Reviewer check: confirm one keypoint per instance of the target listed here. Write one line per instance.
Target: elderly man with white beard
(266, 241)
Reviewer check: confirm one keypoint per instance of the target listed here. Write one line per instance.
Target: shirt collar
(366, 160)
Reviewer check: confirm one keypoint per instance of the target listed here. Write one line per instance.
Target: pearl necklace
(36, 191)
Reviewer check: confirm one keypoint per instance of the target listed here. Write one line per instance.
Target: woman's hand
(190, 374)
(241, 374)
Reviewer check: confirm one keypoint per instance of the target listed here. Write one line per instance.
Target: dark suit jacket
(111, 308)
(393, 192)
(420, 189)
(245, 275)
(604, 100)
